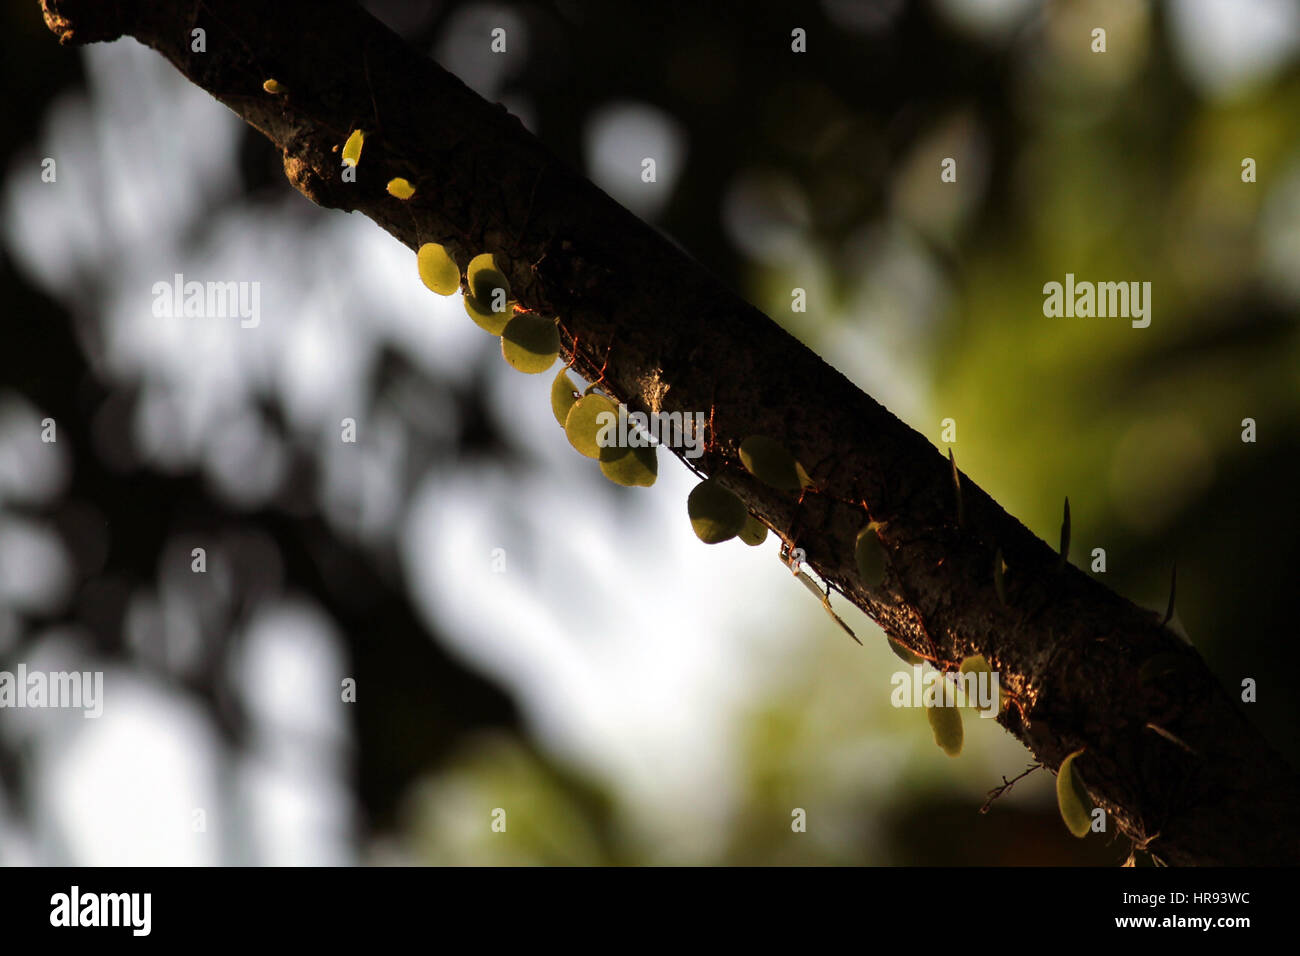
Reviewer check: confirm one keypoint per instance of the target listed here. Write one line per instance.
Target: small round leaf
(437, 269)
(754, 532)
(485, 318)
(584, 424)
(630, 466)
(978, 664)
(530, 343)
(485, 279)
(563, 396)
(946, 724)
(716, 514)
(400, 188)
(769, 462)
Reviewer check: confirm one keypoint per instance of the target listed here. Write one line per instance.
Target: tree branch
(664, 335)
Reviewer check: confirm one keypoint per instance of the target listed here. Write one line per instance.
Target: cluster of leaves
(530, 343)
(718, 515)
(584, 416)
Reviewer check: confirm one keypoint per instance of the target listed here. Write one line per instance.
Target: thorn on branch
(1173, 738)
(956, 487)
(1173, 590)
(999, 577)
(1065, 537)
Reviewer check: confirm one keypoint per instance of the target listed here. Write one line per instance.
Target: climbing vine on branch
(882, 517)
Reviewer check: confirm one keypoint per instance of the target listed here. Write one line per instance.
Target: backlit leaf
(563, 396)
(754, 532)
(716, 514)
(630, 466)
(946, 724)
(400, 188)
(768, 461)
(530, 342)
(583, 425)
(1072, 799)
(485, 318)
(352, 148)
(437, 269)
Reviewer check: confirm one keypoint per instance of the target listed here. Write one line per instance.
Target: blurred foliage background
(623, 693)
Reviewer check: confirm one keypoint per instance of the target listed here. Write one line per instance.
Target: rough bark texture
(663, 334)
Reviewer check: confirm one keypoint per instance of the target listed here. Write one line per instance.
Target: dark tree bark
(1168, 753)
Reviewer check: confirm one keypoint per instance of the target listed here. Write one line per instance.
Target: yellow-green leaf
(400, 188)
(484, 279)
(977, 664)
(563, 396)
(437, 269)
(530, 343)
(946, 724)
(754, 532)
(273, 86)
(630, 466)
(485, 318)
(583, 424)
(768, 461)
(352, 148)
(903, 653)
(716, 514)
(1072, 799)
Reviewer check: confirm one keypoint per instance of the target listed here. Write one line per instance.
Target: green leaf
(563, 396)
(352, 148)
(903, 653)
(769, 462)
(484, 278)
(485, 318)
(805, 481)
(716, 514)
(754, 532)
(946, 724)
(978, 664)
(530, 342)
(869, 552)
(630, 466)
(583, 425)
(437, 269)
(1072, 799)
